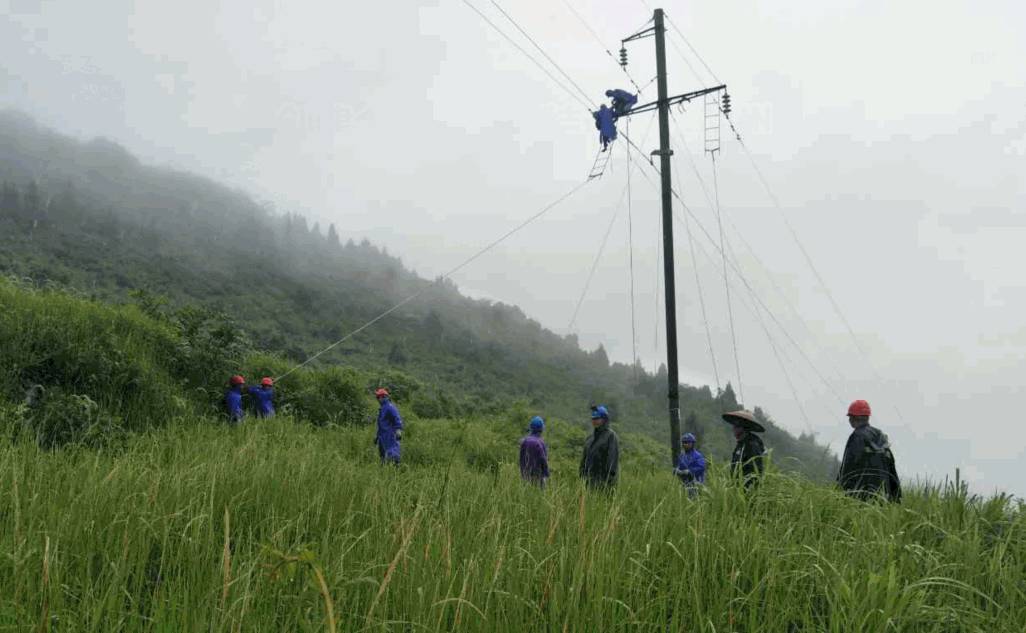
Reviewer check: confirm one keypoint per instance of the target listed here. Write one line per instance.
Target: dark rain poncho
(746, 461)
(600, 464)
(867, 467)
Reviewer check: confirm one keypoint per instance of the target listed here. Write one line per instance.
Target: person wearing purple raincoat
(534, 455)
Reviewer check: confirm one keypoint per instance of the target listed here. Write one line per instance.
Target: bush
(66, 418)
(334, 395)
(99, 365)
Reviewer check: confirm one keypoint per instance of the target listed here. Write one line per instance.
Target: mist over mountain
(90, 216)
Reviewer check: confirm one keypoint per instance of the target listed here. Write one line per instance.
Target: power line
(794, 234)
(812, 267)
(608, 52)
(751, 251)
(726, 285)
(448, 274)
(715, 78)
(602, 246)
(542, 51)
(769, 338)
(701, 297)
(601, 44)
(630, 259)
(737, 271)
(520, 48)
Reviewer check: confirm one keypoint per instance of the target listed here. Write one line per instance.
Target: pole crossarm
(640, 35)
(672, 101)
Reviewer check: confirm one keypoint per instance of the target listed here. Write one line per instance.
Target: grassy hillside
(90, 217)
(278, 526)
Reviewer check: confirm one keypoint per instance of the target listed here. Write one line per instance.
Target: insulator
(726, 103)
(623, 56)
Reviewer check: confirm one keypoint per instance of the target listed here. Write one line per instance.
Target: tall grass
(277, 526)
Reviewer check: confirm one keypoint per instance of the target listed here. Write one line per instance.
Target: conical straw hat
(744, 419)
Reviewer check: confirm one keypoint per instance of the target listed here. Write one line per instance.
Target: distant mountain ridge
(90, 216)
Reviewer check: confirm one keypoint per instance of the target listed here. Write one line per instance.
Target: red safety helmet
(381, 392)
(859, 407)
(267, 382)
(237, 380)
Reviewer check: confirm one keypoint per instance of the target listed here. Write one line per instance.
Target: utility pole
(662, 105)
(673, 393)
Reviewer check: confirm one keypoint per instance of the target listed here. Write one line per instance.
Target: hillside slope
(89, 216)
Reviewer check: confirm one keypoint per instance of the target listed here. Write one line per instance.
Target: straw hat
(744, 419)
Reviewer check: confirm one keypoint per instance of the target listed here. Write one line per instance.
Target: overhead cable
(734, 267)
(701, 297)
(791, 230)
(446, 275)
(542, 51)
(601, 249)
(601, 44)
(726, 285)
(520, 48)
(630, 262)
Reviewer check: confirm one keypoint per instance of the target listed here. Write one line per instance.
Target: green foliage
(93, 367)
(330, 396)
(274, 526)
(61, 419)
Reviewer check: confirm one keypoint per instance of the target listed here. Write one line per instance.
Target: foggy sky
(891, 133)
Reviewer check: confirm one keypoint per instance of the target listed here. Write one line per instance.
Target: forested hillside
(90, 217)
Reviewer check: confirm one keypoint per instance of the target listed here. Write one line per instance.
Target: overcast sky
(892, 134)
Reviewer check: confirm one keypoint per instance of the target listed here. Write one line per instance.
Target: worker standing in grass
(264, 396)
(600, 464)
(690, 465)
(233, 400)
(746, 461)
(867, 468)
(390, 429)
(534, 455)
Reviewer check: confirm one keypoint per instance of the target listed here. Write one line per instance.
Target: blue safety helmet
(537, 424)
(687, 437)
(599, 412)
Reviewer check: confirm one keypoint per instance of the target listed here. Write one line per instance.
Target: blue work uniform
(604, 124)
(389, 423)
(233, 404)
(692, 462)
(623, 101)
(264, 397)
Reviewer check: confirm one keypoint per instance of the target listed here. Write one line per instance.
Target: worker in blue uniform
(604, 124)
(690, 465)
(233, 400)
(623, 101)
(264, 397)
(390, 429)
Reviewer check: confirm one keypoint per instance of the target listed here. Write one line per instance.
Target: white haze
(892, 134)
